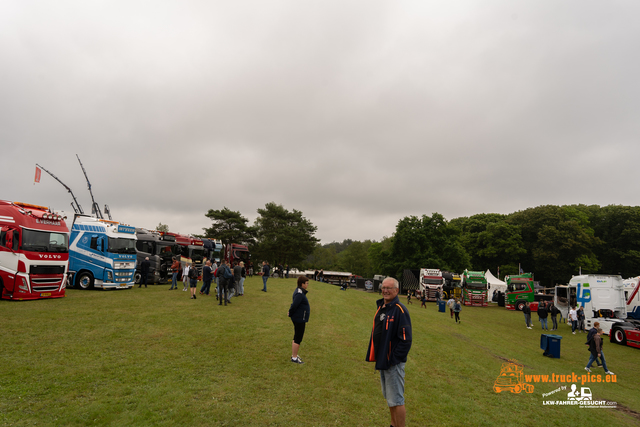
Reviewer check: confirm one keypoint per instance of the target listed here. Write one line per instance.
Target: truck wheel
(137, 277)
(84, 281)
(520, 305)
(619, 337)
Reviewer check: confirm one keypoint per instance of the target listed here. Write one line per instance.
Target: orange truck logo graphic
(511, 378)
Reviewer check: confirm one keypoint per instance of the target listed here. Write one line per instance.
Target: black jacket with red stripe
(395, 342)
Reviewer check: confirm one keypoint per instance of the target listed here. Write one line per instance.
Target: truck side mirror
(101, 244)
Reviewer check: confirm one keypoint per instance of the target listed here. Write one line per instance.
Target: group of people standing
(229, 282)
(576, 316)
(545, 309)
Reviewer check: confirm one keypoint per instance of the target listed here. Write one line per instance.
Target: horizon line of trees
(553, 242)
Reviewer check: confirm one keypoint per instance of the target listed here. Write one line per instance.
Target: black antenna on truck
(76, 208)
(95, 209)
(108, 212)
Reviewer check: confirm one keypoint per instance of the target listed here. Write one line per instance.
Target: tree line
(553, 242)
(278, 235)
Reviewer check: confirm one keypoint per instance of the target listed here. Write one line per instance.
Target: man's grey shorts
(392, 383)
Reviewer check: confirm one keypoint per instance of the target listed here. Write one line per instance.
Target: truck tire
(618, 336)
(520, 305)
(84, 280)
(137, 277)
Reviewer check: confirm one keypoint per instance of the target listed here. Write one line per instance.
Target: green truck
(520, 290)
(474, 288)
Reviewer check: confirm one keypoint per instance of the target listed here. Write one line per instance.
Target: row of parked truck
(40, 257)
(470, 287)
(607, 299)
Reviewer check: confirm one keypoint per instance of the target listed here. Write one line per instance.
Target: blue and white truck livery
(102, 254)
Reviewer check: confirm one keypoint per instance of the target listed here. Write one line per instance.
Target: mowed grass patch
(155, 357)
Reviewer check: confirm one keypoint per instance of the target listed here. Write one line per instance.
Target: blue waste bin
(442, 306)
(551, 345)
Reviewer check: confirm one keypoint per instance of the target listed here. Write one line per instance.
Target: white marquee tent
(495, 284)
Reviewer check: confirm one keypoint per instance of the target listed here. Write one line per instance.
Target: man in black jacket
(389, 346)
(224, 273)
(144, 272)
(542, 315)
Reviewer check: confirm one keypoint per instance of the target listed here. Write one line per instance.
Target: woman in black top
(299, 314)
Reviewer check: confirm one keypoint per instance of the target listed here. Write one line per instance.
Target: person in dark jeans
(554, 316)
(207, 277)
(224, 273)
(527, 314)
(144, 272)
(542, 316)
(265, 275)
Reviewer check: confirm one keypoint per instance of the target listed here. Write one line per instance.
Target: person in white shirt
(185, 277)
(573, 316)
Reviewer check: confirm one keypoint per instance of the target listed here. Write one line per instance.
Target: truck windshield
(197, 254)
(476, 285)
(44, 241)
(122, 246)
(431, 281)
(167, 250)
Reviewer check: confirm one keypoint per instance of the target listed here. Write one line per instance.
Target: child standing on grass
(456, 309)
(424, 300)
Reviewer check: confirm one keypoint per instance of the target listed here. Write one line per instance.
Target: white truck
(603, 298)
(632, 295)
(431, 282)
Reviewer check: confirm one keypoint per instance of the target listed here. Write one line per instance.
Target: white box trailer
(632, 295)
(601, 295)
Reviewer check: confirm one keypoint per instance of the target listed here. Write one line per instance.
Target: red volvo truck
(34, 252)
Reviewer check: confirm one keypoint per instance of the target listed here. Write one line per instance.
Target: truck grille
(39, 288)
(46, 269)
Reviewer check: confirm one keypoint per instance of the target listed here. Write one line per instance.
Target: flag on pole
(38, 173)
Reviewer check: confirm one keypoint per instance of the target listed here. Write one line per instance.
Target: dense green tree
(618, 227)
(499, 245)
(283, 236)
(475, 239)
(427, 242)
(340, 246)
(322, 257)
(559, 241)
(229, 226)
(164, 228)
(354, 259)
(380, 257)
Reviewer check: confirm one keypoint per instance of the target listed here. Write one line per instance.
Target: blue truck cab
(102, 253)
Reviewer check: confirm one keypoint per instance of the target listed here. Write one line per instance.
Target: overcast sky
(357, 113)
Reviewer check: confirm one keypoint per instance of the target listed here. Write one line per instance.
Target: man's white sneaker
(587, 369)
(609, 373)
(297, 360)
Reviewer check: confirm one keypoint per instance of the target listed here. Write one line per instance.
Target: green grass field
(155, 357)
